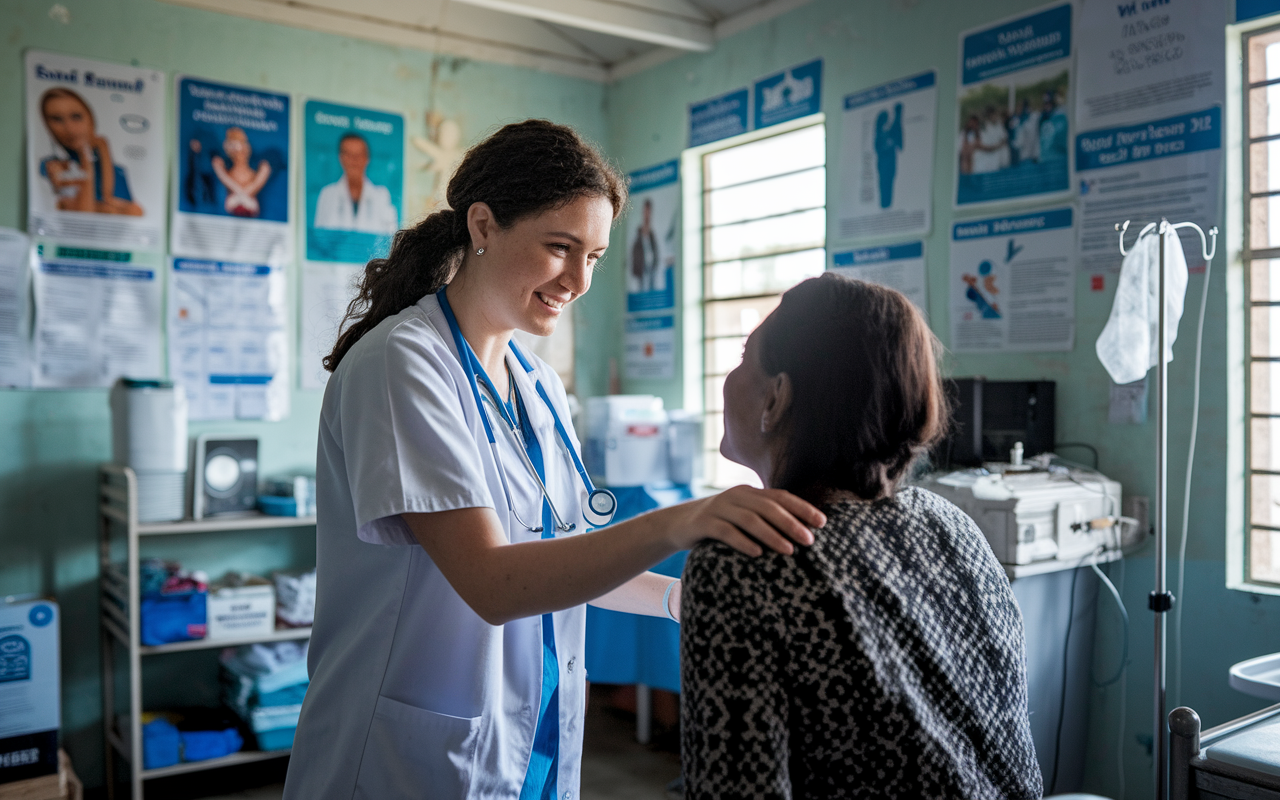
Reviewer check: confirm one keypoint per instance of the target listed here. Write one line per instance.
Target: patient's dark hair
(866, 395)
(522, 170)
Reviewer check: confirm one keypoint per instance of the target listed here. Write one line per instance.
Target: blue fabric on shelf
(204, 745)
(161, 745)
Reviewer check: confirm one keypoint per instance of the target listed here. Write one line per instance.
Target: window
(764, 224)
(1262, 273)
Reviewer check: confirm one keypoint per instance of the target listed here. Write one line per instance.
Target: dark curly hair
(522, 170)
(866, 395)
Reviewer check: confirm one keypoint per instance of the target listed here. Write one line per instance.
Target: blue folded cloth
(161, 745)
(204, 745)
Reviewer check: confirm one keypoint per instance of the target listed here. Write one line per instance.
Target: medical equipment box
(236, 612)
(627, 440)
(29, 690)
(1032, 517)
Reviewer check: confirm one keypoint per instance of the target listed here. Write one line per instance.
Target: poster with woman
(355, 178)
(231, 198)
(95, 151)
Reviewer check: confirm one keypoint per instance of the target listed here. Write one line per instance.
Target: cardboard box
(29, 690)
(235, 612)
(65, 785)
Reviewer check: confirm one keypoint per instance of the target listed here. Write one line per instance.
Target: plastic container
(242, 611)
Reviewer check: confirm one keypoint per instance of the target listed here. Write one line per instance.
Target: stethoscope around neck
(601, 504)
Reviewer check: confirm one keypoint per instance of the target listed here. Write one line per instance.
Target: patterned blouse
(885, 661)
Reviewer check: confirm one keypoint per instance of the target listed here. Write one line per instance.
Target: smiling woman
(453, 552)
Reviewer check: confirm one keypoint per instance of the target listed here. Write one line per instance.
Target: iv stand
(1161, 600)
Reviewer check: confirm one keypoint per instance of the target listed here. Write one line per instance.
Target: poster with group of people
(652, 233)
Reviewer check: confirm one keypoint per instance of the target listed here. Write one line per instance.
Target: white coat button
(568, 796)
(572, 661)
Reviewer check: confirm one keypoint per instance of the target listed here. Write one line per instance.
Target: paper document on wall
(228, 345)
(650, 344)
(898, 266)
(1012, 283)
(97, 316)
(1145, 60)
(95, 151)
(886, 158)
(327, 290)
(17, 259)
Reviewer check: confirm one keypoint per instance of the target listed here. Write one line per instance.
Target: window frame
(692, 242)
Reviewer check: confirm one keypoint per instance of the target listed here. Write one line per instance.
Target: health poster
(1169, 167)
(898, 266)
(1012, 283)
(354, 179)
(886, 158)
(327, 290)
(231, 192)
(650, 347)
(16, 268)
(228, 344)
(95, 152)
(97, 316)
(1142, 60)
(652, 227)
(1013, 127)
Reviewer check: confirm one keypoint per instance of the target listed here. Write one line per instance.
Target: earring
(480, 251)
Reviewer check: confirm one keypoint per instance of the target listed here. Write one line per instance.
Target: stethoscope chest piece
(600, 507)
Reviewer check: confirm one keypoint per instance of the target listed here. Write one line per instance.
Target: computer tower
(987, 417)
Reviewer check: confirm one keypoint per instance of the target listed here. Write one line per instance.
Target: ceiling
(600, 40)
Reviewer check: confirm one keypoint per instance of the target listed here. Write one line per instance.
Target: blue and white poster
(1013, 131)
(1012, 283)
(1168, 167)
(354, 181)
(650, 347)
(886, 158)
(96, 168)
(788, 95)
(652, 232)
(720, 117)
(898, 266)
(231, 192)
(228, 343)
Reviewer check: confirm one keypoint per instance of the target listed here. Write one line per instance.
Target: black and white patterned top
(886, 661)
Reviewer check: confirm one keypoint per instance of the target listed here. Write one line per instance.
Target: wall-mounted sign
(790, 94)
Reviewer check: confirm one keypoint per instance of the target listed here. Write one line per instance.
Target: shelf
(243, 757)
(1015, 571)
(215, 524)
(279, 635)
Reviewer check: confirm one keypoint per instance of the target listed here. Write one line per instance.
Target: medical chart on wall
(886, 158)
(1144, 60)
(1169, 167)
(653, 225)
(1013, 127)
(228, 344)
(17, 263)
(650, 347)
(231, 177)
(327, 290)
(354, 181)
(95, 151)
(898, 266)
(97, 316)
(1012, 283)
(1149, 103)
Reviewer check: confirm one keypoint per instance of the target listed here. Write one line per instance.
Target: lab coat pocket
(412, 752)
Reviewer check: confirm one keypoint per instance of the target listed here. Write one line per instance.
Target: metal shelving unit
(120, 580)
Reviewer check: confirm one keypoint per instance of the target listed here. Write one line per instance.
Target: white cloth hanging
(1128, 344)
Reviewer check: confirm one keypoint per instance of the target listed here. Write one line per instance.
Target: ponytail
(522, 170)
(421, 261)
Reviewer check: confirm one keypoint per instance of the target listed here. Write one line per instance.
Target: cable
(1124, 686)
(1066, 652)
(1084, 445)
(1124, 615)
(1187, 492)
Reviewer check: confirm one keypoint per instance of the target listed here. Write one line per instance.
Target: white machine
(633, 441)
(1037, 515)
(149, 434)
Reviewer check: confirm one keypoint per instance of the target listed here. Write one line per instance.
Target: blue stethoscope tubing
(601, 503)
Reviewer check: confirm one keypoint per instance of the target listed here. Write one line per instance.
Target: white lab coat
(375, 214)
(412, 694)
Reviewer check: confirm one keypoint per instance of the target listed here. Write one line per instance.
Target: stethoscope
(601, 504)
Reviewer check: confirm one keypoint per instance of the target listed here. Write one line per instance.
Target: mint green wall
(50, 441)
(866, 43)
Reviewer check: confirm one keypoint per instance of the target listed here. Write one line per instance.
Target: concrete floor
(614, 765)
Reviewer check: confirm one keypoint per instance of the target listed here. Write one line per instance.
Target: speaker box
(225, 476)
(987, 417)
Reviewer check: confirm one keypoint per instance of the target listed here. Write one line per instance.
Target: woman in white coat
(446, 658)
